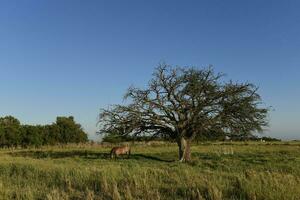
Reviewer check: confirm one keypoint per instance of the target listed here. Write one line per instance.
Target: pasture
(237, 170)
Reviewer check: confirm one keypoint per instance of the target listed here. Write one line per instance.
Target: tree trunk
(184, 149)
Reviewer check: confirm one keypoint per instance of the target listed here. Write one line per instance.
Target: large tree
(182, 103)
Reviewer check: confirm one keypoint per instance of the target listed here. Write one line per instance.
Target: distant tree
(32, 135)
(270, 139)
(51, 135)
(183, 103)
(10, 130)
(65, 130)
(70, 131)
(211, 135)
(115, 138)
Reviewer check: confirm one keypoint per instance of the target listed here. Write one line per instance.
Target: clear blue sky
(73, 57)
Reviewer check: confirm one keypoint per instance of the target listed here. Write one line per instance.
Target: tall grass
(218, 171)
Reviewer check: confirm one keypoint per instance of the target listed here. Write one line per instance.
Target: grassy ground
(218, 171)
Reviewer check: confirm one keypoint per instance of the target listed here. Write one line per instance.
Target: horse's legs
(113, 156)
(128, 153)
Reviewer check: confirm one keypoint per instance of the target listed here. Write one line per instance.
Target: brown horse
(116, 151)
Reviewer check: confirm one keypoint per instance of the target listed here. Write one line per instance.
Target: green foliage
(270, 139)
(65, 130)
(70, 131)
(32, 136)
(10, 130)
(116, 138)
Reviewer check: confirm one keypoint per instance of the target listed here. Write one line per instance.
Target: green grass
(218, 171)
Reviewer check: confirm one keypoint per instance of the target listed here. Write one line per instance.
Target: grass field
(218, 171)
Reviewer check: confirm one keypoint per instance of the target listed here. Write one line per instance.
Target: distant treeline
(64, 130)
(210, 136)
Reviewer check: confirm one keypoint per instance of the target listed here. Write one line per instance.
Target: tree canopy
(64, 130)
(182, 103)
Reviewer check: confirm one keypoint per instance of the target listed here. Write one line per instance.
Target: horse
(116, 151)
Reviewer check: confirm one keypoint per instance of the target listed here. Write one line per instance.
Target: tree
(65, 130)
(51, 134)
(115, 138)
(31, 135)
(70, 131)
(10, 130)
(183, 103)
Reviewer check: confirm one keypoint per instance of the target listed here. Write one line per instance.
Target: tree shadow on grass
(60, 154)
(81, 154)
(148, 157)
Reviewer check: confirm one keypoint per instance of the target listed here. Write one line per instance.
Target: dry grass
(218, 171)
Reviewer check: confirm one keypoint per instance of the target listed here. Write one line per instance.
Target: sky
(74, 57)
